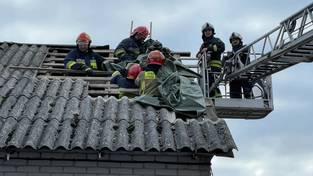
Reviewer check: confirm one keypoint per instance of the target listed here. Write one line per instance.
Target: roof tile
(9, 54)
(181, 136)
(29, 55)
(54, 114)
(19, 133)
(18, 56)
(35, 133)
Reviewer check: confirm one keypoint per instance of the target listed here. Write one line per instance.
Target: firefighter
(235, 86)
(125, 78)
(215, 47)
(82, 57)
(129, 48)
(147, 79)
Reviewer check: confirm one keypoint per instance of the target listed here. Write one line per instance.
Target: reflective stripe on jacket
(76, 57)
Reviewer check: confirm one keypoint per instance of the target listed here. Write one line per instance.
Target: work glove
(212, 47)
(88, 70)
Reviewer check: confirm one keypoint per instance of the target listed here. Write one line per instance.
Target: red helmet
(83, 37)
(141, 30)
(156, 57)
(133, 71)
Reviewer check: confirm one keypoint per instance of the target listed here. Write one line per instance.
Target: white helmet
(206, 26)
(235, 35)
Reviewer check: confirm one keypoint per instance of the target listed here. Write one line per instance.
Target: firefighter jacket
(216, 47)
(78, 60)
(122, 81)
(148, 81)
(244, 58)
(128, 49)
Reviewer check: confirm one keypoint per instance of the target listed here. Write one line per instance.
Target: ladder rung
(299, 55)
(303, 50)
(306, 47)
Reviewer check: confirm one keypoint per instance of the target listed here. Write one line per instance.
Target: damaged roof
(59, 114)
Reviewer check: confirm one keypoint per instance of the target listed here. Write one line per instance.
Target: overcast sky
(280, 144)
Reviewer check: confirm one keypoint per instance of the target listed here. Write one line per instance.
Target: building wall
(79, 164)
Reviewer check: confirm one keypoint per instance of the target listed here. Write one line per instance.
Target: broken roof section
(59, 114)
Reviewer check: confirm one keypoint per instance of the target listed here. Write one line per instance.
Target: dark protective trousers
(215, 71)
(235, 87)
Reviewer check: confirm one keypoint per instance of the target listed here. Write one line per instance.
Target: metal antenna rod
(150, 29)
(131, 27)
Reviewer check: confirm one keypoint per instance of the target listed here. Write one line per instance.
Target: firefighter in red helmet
(147, 79)
(130, 48)
(125, 78)
(82, 57)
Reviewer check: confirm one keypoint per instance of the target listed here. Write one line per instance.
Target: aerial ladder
(286, 45)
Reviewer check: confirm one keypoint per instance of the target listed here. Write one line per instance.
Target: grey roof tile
(3, 49)
(31, 107)
(1, 67)
(93, 134)
(6, 106)
(8, 86)
(58, 109)
(137, 141)
(137, 126)
(111, 107)
(20, 133)
(29, 74)
(54, 114)
(122, 136)
(6, 73)
(224, 135)
(151, 133)
(18, 107)
(18, 56)
(41, 87)
(210, 133)
(16, 74)
(98, 108)
(45, 108)
(181, 136)
(53, 88)
(85, 108)
(123, 109)
(107, 135)
(64, 138)
(40, 55)
(18, 89)
(50, 134)
(167, 136)
(72, 109)
(34, 135)
(29, 55)
(6, 129)
(79, 134)
(78, 89)
(198, 137)
(9, 54)
(29, 88)
(65, 88)
(166, 115)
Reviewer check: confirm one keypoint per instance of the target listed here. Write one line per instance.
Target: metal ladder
(293, 44)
